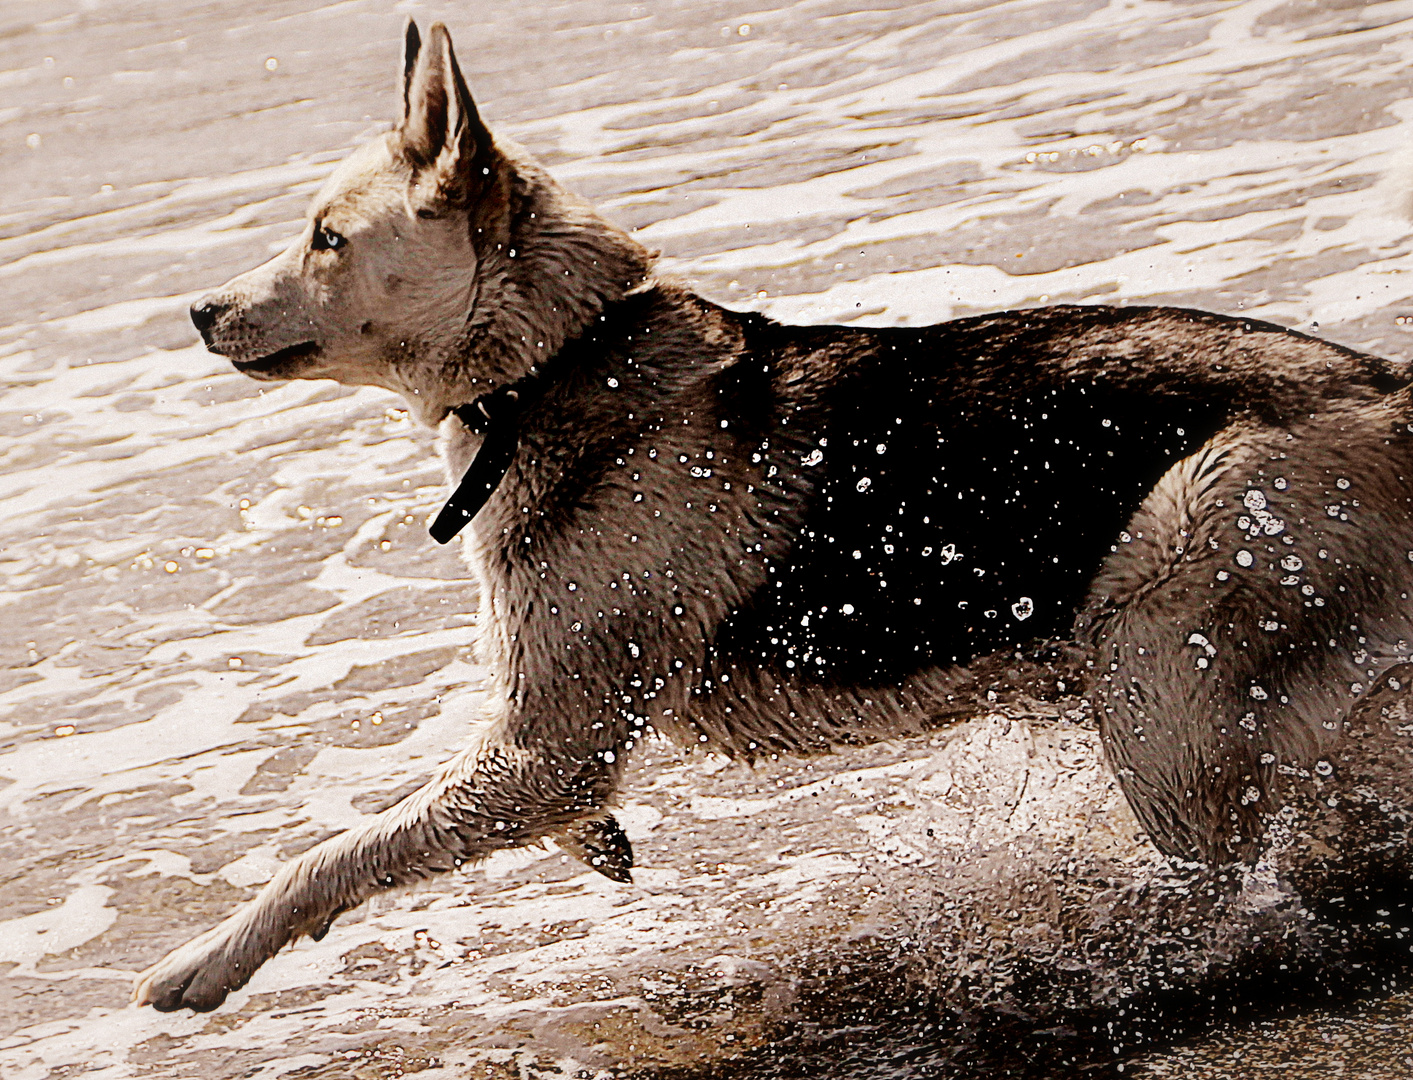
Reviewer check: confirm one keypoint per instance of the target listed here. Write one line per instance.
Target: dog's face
(383, 277)
(353, 295)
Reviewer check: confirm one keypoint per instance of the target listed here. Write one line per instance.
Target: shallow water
(225, 633)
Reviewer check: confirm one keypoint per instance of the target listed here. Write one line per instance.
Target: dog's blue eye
(327, 240)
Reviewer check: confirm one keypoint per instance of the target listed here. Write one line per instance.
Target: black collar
(496, 416)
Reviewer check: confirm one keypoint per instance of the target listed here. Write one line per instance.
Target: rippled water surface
(225, 633)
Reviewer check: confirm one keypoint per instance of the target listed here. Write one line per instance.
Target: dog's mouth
(278, 364)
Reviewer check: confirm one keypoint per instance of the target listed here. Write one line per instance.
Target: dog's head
(432, 262)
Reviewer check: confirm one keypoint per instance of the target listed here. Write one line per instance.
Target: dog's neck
(494, 418)
(546, 266)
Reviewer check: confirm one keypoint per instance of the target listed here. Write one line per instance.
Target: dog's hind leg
(1258, 592)
(495, 795)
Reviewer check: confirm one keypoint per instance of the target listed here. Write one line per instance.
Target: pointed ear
(411, 46)
(440, 129)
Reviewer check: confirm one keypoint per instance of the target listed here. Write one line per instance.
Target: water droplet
(1342, 483)
(814, 457)
(1324, 768)
(1244, 558)
(864, 484)
(1023, 608)
(1292, 563)
(1259, 693)
(1255, 499)
(1280, 483)
(847, 609)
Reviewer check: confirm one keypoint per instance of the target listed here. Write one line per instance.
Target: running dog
(763, 539)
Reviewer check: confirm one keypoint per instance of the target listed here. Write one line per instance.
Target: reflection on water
(225, 633)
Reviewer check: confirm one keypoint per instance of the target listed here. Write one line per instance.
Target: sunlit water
(225, 633)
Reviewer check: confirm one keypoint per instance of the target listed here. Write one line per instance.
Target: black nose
(204, 314)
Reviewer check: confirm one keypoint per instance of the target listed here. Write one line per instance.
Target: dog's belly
(944, 531)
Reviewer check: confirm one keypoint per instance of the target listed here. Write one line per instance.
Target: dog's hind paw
(197, 976)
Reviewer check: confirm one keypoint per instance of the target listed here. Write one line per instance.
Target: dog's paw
(197, 976)
(602, 845)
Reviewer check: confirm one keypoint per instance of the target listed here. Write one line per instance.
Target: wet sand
(226, 635)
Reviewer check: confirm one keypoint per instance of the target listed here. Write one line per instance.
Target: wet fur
(761, 539)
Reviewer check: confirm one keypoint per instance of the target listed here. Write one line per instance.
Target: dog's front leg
(495, 795)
